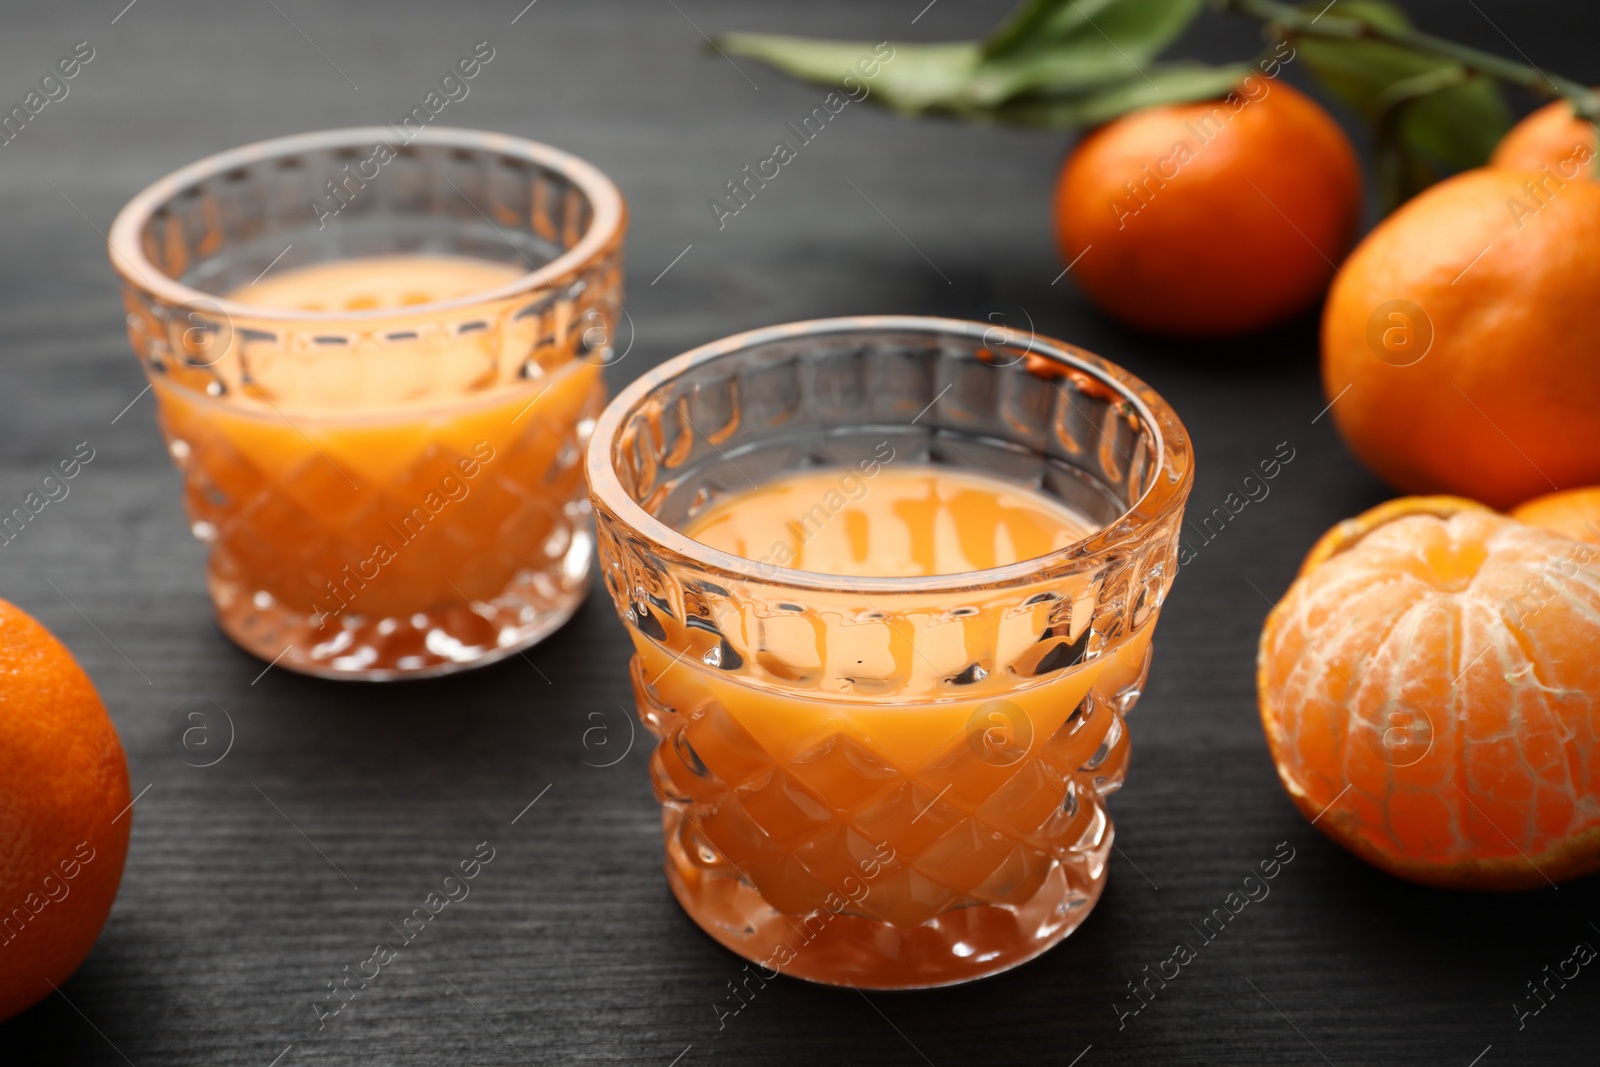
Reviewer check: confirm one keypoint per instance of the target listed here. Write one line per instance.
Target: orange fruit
(1573, 513)
(1213, 218)
(1431, 696)
(1554, 137)
(1458, 341)
(63, 812)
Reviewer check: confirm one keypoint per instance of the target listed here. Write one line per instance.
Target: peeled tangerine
(1428, 688)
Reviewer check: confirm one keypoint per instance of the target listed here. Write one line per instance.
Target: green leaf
(1361, 70)
(1145, 26)
(1038, 21)
(1434, 107)
(1175, 83)
(1056, 45)
(1048, 46)
(924, 77)
(1459, 127)
(1079, 67)
(1380, 13)
(918, 77)
(1139, 27)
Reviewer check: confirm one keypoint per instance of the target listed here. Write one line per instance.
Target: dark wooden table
(235, 911)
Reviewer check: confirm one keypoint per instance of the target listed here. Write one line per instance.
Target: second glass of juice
(891, 584)
(376, 355)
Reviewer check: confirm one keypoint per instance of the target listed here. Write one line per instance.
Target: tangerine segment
(1428, 692)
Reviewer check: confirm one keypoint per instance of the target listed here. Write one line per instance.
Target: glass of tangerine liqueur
(376, 364)
(891, 584)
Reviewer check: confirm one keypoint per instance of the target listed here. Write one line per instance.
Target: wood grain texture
(569, 949)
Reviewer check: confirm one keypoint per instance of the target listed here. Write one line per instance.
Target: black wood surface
(251, 883)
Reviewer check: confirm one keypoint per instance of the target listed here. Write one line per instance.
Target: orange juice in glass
(891, 584)
(380, 411)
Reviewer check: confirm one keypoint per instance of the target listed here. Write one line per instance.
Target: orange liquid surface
(359, 498)
(373, 283)
(903, 523)
(859, 738)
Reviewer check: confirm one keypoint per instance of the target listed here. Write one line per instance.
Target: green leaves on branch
(1428, 112)
(917, 78)
(1434, 105)
(1078, 46)
(1052, 63)
(1168, 83)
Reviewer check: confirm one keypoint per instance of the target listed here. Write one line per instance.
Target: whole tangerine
(1458, 340)
(1431, 698)
(1553, 136)
(1573, 513)
(64, 812)
(1210, 219)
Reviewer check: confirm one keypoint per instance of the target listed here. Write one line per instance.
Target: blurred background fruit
(1431, 697)
(1554, 136)
(1197, 241)
(1459, 339)
(64, 812)
(1573, 513)
(1212, 218)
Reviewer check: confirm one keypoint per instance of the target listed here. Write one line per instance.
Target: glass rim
(1167, 484)
(608, 221)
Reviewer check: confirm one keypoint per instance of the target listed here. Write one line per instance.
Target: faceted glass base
(441, 640)
(841, 948)
(837, 859)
